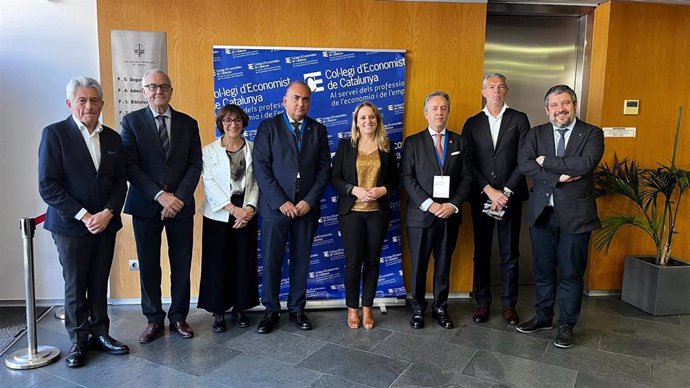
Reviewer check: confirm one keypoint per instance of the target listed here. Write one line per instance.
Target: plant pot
(654, 289)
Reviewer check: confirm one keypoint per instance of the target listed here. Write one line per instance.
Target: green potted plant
(660, 284)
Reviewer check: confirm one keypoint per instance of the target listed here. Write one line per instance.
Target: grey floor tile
(55, 382)
(685, 320)
(21, 378)
(421, 351)
(249, 370)
(425, 376)
(676, 353)
(618, 307)
(328, 381)
(665, 375)
(398, 319)
(585, 380)
(515, 343)
(607, 323)
(624, 369)
(662, 332)
(161, 376)
(278, 345)
(355, 365)
(518, 372)
(103, 370)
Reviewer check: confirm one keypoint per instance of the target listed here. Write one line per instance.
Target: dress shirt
(556, 139)
(93, 144)
(425, 205)
(495, 122)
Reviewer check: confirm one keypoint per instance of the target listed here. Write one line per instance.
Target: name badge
(441, 186)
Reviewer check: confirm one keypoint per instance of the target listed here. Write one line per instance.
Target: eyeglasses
(230, 121)
(163, 87)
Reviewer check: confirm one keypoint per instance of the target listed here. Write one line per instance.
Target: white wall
(42, 45)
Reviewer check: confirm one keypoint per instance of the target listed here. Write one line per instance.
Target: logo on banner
(314, 81)
(139, 49)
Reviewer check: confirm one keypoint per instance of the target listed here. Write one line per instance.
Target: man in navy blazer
(496, 134)
(81, 173)
(292, 167)
(560, 157)
(163, 152)
(436, 173)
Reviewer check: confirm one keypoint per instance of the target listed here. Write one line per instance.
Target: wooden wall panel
(640, 51)
(445, 50)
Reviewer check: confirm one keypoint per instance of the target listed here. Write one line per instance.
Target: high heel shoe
(353, 321)
(368, 318)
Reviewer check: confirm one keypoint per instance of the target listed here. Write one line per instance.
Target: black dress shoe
(481, 314)
(218, 324)
(564, 338)
(182, 328)
(417, 320)
(240, 319)
(107, 344)
(533, 325)
(76, 356)
(442, 318)
(510, 315)
(270, 320)
(301, 320)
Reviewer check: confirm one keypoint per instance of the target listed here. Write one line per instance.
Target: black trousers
(363, 234)
(438, 239)
(86, 263)
(508, 231)
(180, 233)
(229, 272)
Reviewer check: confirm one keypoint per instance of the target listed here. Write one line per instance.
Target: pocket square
(112, 152)
(455, 153)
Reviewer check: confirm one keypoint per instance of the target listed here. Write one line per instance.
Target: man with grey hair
(498, 189)
(163, 152)
(81, 176)
(436, 174)
(560, 157)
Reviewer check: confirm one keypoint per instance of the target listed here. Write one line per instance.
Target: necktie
(298, 135)
(439, 147)
(560, 148)
(163, 134)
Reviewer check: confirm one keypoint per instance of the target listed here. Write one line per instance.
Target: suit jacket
(148, 169)
(216, 179)
(344, 176)
(418, 167)
(276, 164)
(68, 180)
(574, 202)
(497, 167)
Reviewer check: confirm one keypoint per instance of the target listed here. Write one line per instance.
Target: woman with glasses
(364, 173)
(229, 277)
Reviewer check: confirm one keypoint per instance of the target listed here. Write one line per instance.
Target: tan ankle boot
(353, 321)
(368, 317)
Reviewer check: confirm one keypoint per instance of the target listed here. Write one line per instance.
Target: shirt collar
(433, 133)
(486, 111)
(167, 113)
(83, 128)
(569, 127)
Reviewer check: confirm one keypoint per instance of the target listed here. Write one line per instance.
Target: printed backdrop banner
(255, 78)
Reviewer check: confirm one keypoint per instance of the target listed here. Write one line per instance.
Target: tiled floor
(616, 346)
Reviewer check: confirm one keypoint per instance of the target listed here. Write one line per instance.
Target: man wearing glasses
(163, 151)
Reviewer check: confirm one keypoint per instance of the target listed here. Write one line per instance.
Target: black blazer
(68, 180)
(418, 167)
(344, 176)
(276, 163)
(497, 167)
(574, 202)
(149, 171)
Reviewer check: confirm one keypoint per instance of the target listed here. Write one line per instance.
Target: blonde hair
(381, 134)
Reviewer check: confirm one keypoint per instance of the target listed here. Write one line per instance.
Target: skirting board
(589, 292)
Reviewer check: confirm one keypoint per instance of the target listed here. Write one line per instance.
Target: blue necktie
(560, 149)
(298, 135)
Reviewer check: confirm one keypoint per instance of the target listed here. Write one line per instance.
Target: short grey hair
(485, 81)
(82, 82)
(297, 82)
(154, 71)
(560, 89)
(434, 94)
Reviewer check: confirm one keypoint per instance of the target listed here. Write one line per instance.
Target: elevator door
(534, 53)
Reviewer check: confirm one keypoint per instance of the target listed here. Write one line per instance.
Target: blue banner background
(256, 78)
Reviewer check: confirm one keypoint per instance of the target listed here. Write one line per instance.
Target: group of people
(84, 167)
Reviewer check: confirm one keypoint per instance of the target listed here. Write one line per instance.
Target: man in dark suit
(495, 135)
(81, 172)
(435, 172)
(560, 157)
(163, 167)
(292, 167)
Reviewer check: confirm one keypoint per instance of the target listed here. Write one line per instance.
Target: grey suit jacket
(574, 202)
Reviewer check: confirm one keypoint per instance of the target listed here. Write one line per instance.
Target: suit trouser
(553, 250)
(275, 235)
(86, 263)
(363, 234)
(180, 233)
(440, 239)
(508, 231)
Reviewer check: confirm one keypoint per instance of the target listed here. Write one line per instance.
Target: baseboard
(595, 293)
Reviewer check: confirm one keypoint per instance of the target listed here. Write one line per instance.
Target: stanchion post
(34, 356)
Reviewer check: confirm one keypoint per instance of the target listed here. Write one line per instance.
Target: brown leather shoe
(152, 331)
(481, 314)
(510, 315)
(182, 328)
